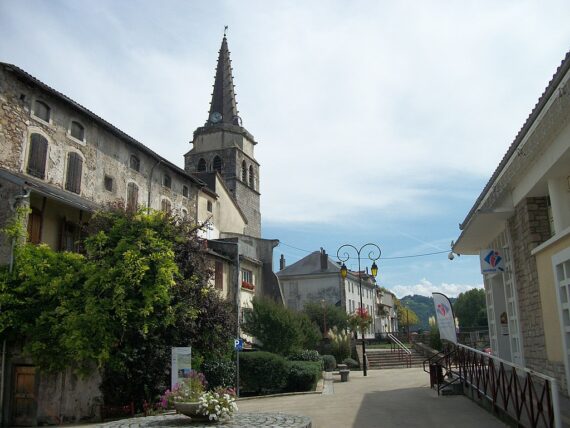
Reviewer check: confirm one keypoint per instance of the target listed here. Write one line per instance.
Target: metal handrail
(402, 348)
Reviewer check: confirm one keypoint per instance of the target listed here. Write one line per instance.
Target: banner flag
(445, 318)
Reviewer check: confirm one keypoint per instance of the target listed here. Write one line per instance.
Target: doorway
(24, 396)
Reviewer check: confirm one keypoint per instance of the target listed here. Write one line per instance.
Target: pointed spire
(223, 108)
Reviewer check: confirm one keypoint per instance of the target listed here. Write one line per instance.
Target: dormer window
(42, 111)
(201, 165)
(135, 163)
(77, 131)
(167, 181)
(217, 164)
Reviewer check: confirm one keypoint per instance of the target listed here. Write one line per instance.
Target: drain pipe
(17, 198)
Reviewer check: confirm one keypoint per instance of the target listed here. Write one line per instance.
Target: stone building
(65, 162)
(386, 314)
(316, 278)
(522, 218)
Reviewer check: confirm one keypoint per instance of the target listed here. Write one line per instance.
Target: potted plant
(191, 399)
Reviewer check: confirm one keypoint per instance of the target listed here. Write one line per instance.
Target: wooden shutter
(35, 227)
(74, 171)
(219, 275)
(132, 197)
(37, 156)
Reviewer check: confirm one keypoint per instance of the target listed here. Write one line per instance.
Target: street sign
(238, 344)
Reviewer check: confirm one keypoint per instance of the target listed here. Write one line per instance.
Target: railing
(528, 397)
(404, 352)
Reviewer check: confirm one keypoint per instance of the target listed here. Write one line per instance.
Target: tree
(470, 308)
(140, 288)
(334, 316)
(406, 317)
(279, 329)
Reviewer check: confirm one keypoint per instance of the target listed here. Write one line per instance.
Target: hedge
(303, 375)
(262, 372)
(220, 373)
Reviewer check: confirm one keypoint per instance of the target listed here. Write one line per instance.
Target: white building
(316, 278)
(386, 320)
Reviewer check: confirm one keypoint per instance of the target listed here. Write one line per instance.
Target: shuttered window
(167, 181)
(165, 206)
(135, 163)
(74, 170)
(219, 275)
(185, 191)
(251, 177)
(37, 156)
(243, 172)
(132, 197)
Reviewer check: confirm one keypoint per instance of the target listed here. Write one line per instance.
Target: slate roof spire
(223, 108)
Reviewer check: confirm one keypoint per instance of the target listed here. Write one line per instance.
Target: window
(135, 163)
(251, 177)
(132, 197)
(74, 169)
(201, 165)
(37, 156)
(243, 172)
(209, 206)
(108, 182)
(167, 181)
(166, 206)
(185, 191)
(247, 276)
(77, 131)
(217, 165)
(219, 275)
(35, 226)
(42, 111)
(70, 235)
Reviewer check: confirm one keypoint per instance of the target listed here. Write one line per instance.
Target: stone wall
(529, 227)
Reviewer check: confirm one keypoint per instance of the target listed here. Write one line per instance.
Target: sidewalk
(385, 398)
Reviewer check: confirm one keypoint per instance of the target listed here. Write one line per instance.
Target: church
(64, 162)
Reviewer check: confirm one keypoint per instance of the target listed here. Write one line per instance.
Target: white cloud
(426, 288)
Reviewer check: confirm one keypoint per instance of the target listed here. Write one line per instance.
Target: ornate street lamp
(375, 249)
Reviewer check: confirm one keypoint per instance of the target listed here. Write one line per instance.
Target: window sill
(75, 140)
(550, 241)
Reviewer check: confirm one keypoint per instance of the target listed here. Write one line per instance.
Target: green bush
(263, 372)
(329, 362)
(303, 375)
(350, 363)
(219, 373)
(305, 355)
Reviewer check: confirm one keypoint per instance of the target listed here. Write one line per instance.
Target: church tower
(225, 146)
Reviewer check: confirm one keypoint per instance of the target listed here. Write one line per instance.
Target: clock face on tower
(215, 117)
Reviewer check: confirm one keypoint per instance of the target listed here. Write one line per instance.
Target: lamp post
(375, 249)
(324, 306)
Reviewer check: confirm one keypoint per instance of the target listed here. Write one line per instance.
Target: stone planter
(191, 410)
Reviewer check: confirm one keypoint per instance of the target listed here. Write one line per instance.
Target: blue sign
(238, 344)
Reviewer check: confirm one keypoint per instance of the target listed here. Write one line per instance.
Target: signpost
(238, 346)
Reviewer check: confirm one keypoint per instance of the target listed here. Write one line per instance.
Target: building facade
(521, 223)
(316, 278)
(386, 313)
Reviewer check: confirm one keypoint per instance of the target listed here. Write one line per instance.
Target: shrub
(221, 373)
(329, 362)
(305, 355)
(303, 375)
(340, 344)
(263, 372)
(350, 363)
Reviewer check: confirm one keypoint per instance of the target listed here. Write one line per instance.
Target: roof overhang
(482, 229)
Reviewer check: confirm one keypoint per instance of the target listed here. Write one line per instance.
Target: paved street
(385, 398)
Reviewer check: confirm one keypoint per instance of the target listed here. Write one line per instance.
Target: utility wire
(381, 258)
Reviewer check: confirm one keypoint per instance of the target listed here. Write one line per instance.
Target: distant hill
(423, 307)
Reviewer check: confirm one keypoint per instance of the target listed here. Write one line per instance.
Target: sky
(377, 122)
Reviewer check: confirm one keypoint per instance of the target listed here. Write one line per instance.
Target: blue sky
(377, 121)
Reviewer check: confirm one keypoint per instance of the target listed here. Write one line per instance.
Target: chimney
(282, 262)
(324, 259)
